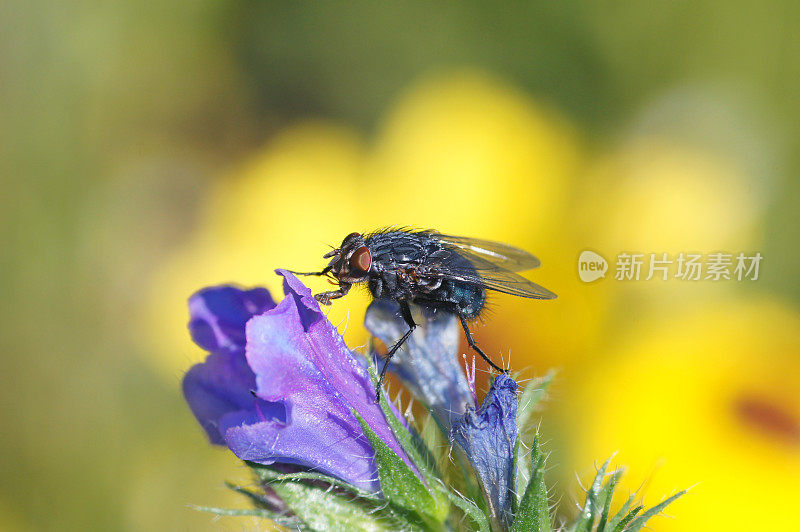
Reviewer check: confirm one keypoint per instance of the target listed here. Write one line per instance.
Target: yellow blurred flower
(462, 153)
(279, 210)
(561, 333)
(466, 153)
(660, 195)
(653, 195)
(708, 398)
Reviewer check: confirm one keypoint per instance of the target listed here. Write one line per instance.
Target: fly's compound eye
(361, 260)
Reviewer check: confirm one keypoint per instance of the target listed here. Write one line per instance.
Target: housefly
(435, 271)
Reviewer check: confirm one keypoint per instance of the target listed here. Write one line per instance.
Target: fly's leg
(325, 298)
(405, 311)
(323, 272)
(474, 346)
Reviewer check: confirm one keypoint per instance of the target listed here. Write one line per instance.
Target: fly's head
(352, 261)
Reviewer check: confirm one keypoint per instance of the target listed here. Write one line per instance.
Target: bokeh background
(150, 148)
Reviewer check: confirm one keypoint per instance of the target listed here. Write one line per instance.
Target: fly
(435, 271)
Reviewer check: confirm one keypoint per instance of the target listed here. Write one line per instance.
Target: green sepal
(515, 496)
(531, 396)
(640, 521)
(249, 512)
(606, 495)
(266, 474)
(402, 487)
(264, 507)
(471, 510)
(534, 512)
(318, 507)
(628, 518)
(593, 506)
(614, 521)
(414, 447)
(522, 475)
(409, 440)
(432, 437)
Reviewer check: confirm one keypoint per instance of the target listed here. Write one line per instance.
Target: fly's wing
(487, 271)
(498, 279)
(499, 254)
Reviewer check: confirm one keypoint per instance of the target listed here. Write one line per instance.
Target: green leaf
(411, 443)
(319, 507)
(414, 447)
(255, 512)
(471, 510)
(533, 394)
(522, 474)
(606, 495)
(431, 436)
(517, 491)
(307, 475)
(614, 521)
(534, 513)
(249, 512)
(400, 484)
(628, 518)
(322, 509)
(640, 521)
(592, 506)
(461, 477)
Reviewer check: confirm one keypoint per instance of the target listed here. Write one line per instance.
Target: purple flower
(288, 397)
(223, 383)
(428, 362)
(488, 436)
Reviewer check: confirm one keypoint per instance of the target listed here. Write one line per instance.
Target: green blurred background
(149, 148)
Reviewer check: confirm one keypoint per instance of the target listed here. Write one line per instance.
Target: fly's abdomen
(468, 298)
(463, 298)
(452, 296)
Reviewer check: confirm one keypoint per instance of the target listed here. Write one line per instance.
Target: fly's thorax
(393, 249)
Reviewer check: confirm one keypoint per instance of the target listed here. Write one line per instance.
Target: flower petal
(428, 361)
(488, 436)
(216, 387)
(300, 360)
(219, 314)
(222, 384)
